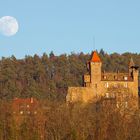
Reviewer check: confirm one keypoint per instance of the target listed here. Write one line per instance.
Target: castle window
(105, 77)
(107, 95)
(125, 85)
(95, 85)
(126, 104)
(21, 112)
(107, 85)
(125, 78)
(117, 105)
(35, 112)
(115, 77)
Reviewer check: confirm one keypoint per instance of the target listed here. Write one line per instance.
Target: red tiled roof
(95, 57)
(32, 102)
(25, 100)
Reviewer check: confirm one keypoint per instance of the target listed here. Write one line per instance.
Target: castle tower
(135, 78)
(131, 67)
(95, 69)
(134, 73)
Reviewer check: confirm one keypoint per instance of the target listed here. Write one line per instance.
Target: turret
(131, 67)
(134, 73)
(95, 69)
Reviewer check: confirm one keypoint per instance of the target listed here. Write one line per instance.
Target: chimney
(32, 100)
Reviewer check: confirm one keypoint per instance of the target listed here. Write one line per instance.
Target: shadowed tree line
(57, 121)
(49, 76)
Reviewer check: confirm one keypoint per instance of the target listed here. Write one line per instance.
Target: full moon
(8, 26)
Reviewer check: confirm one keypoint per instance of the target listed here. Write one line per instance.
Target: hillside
(49, 76)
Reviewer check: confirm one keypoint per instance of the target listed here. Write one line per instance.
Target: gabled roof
(18, 101)
(25, 106)
(95, 57)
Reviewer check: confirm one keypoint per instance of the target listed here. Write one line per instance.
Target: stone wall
(87, 94)
(132, 85)
(80, 94)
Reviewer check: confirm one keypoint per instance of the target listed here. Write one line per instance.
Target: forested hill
(49, 76)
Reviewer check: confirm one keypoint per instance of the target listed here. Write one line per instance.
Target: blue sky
(66, 26)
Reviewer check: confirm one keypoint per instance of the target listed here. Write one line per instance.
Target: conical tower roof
(131, 63)
(95, 57)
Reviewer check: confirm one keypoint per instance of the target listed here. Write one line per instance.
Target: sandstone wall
(132, 85)
(82, 94)
(86, 94)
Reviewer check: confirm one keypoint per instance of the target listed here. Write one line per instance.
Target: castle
(97, 83)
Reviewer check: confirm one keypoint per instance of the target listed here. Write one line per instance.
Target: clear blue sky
(66, 26)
